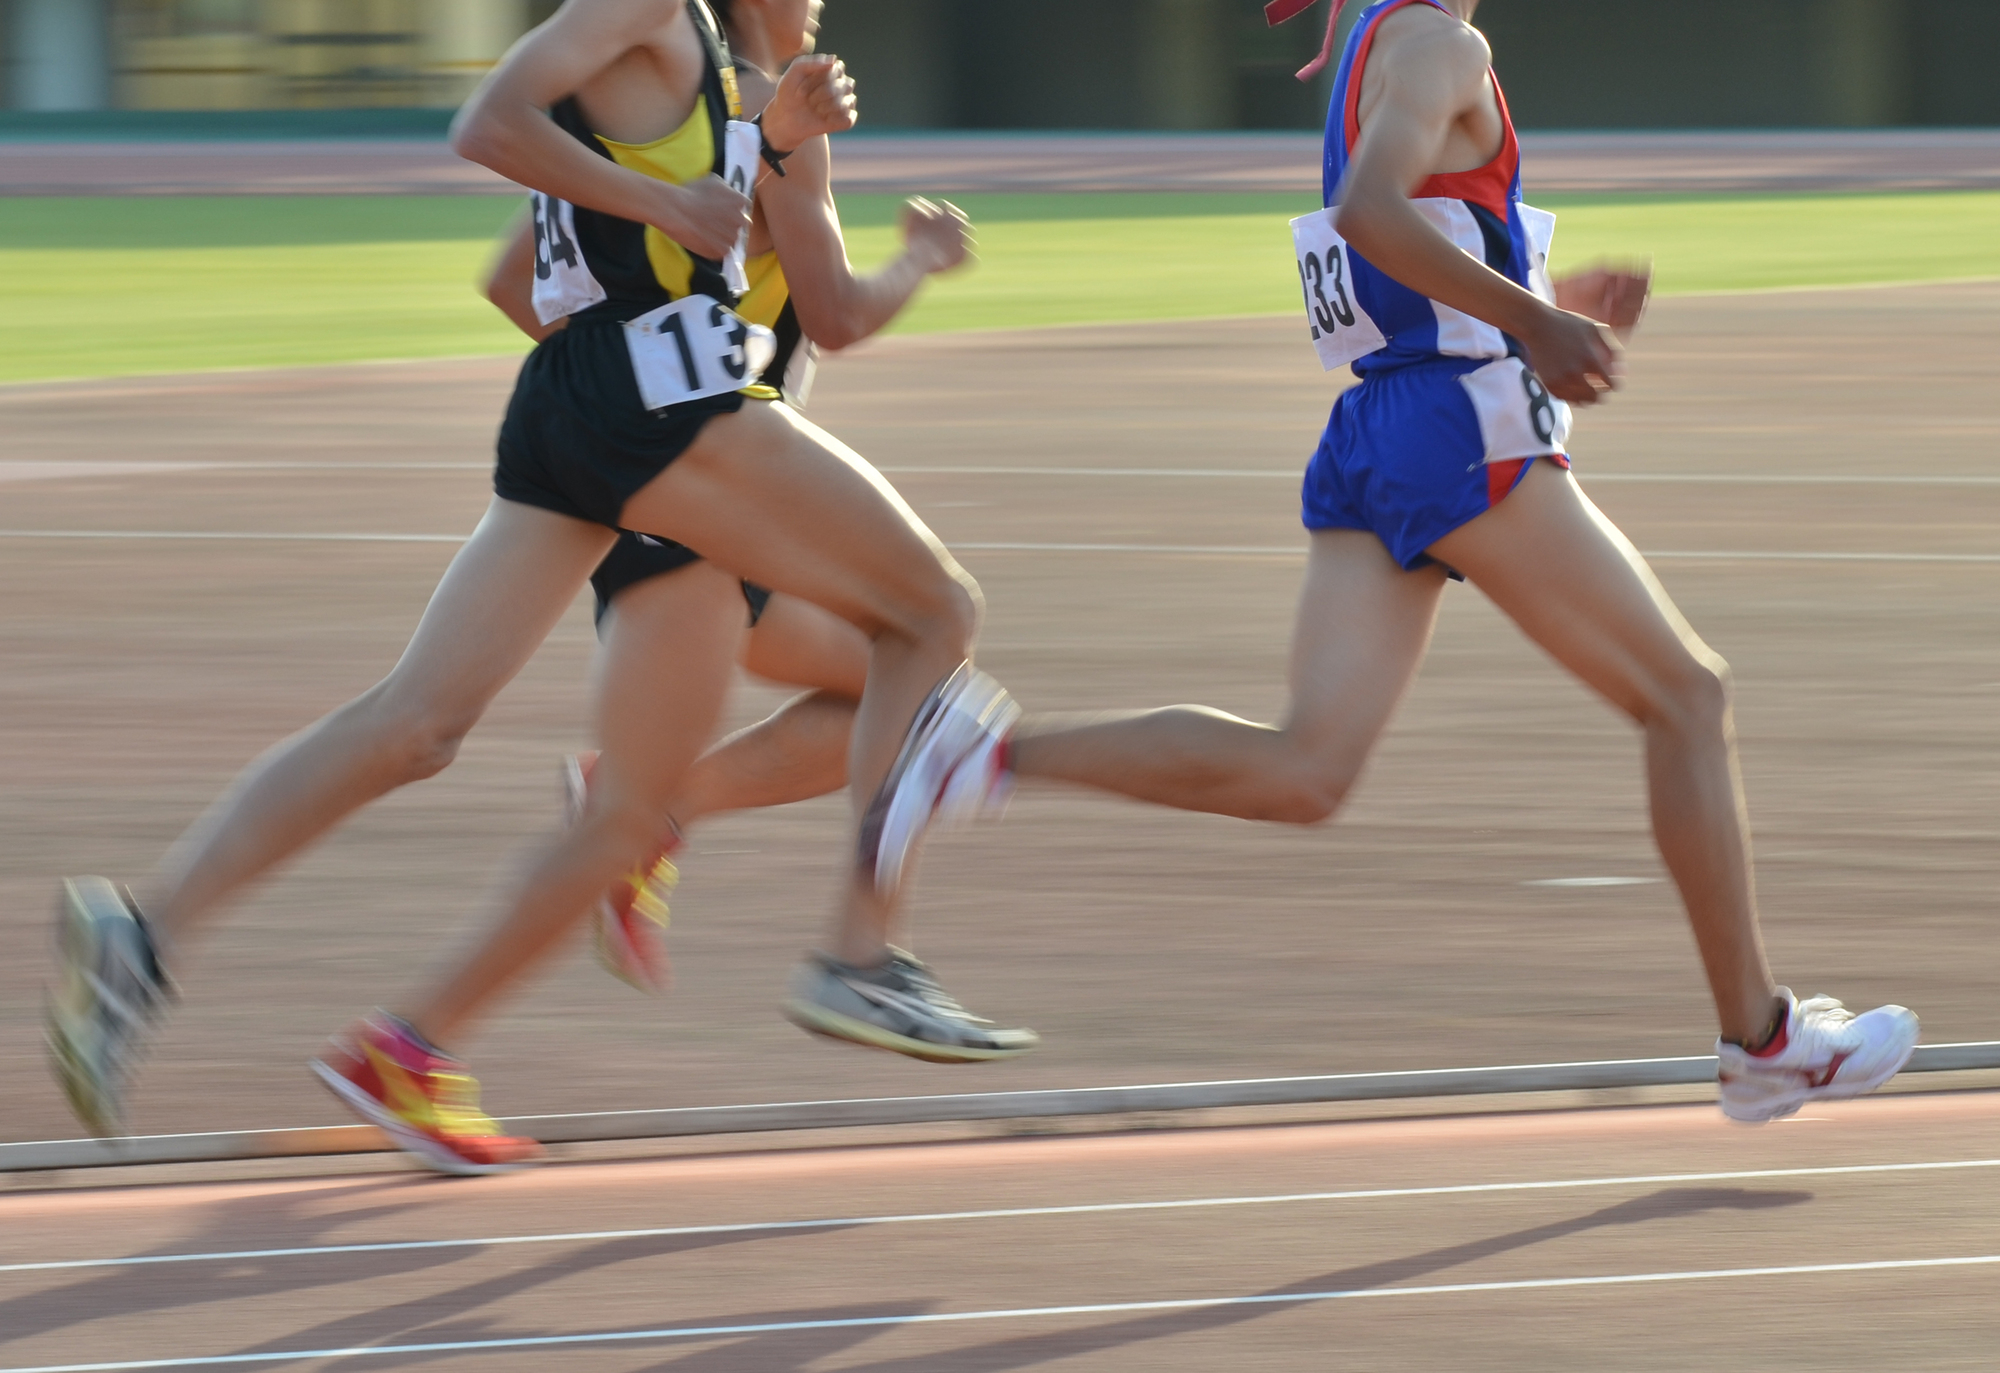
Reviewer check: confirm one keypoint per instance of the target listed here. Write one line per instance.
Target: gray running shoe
(111, 993)
(947, 773)
(899, 1006)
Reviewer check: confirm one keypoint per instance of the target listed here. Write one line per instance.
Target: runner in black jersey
(641, 413)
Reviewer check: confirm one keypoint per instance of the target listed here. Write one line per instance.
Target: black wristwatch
(774, 159)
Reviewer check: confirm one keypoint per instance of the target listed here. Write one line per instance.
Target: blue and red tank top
(1479, 210)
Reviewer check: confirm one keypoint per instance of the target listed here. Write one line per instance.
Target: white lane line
(693, 1332)
(22, 470)
(228, 534)
(1160, 549)
(1016, 1212)
(1591, 882)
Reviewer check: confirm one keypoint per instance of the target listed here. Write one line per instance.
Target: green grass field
(104, 287)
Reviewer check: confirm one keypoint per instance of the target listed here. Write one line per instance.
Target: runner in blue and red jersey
(1427, 274)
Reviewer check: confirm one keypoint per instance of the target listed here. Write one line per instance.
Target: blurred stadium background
(1100, 64)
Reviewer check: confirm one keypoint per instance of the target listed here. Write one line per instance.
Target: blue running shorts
(1403, 458)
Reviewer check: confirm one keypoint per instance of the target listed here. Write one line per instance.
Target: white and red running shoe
(629, 923)
(950, 770)
(422, 1099)
(1822, 1052)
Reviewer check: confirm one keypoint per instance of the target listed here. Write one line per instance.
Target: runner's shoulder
(1427, 38)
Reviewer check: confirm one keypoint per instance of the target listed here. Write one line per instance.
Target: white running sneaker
(1823, 1052)
(949, 771)
(900, 1006)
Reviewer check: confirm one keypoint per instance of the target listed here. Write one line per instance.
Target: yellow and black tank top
(634, 267)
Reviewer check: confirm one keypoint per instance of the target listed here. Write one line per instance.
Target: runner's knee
(419, 739)
(1694, 698)
(1305, 796)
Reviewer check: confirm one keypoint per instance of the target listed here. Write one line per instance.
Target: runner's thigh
(1552, 562)
(1363, 626)
(504, 591)
(773, 498)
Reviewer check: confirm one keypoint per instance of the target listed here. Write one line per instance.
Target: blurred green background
(109, 286)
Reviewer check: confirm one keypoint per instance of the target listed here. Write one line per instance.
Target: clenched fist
(815, 96)
(936, 234)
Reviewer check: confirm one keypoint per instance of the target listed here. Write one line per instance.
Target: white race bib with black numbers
(1541, 230)
(1341, 330)
(741, 141)
(1518, 418)
(563, 280)
(695, 347)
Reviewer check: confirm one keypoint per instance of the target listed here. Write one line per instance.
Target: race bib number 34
(1341, 330)
(693, 348)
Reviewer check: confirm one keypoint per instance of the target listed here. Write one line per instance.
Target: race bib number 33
(1341, 329)
(693, 348)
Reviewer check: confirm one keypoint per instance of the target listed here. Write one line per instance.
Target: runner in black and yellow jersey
(800, 751)
(634, 415)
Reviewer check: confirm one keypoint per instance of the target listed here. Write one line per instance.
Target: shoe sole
(816, 1019)
(1792, 1102)
(415, 1143)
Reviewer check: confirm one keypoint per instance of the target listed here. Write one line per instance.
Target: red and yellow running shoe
(629, 923)
(423, 1100)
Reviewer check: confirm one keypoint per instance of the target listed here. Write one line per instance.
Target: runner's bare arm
(510, 282)
(505, 125)
(1434, 72)
(837, 307)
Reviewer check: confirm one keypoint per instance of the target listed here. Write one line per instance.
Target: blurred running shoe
(424, 1100)
(629, 923)
(899, 1006)
(1822, 1052)
(110, 993)
(950, 771)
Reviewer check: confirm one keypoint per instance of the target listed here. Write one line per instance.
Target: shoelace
(1825, 1008)
(924, 983)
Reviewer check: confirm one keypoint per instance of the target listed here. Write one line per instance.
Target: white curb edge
(923, 1110)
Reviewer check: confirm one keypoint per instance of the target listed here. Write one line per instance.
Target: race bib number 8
(1518, 418)
(1341, 330)
(693, 348)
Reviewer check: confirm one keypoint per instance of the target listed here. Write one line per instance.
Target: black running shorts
(638, 557)
(577, 439)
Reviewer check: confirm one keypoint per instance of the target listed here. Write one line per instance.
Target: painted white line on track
(1015, 1212)
(976, 546)
(227, 534)
(1591, 882)
(56, 467)
(695, 1332)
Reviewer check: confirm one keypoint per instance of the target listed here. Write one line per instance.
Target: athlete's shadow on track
(272, 1222)
(790, 1351)
(284, 1220)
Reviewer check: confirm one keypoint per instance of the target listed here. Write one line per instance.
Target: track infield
(111, 286)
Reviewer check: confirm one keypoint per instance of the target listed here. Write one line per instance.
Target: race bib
(1541, 229)
(1341, 330)
(740, 143)
(1518, 418)
(695, 347)
(797, 385)
(563, 280)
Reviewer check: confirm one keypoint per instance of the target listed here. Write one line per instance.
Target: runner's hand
(705, 217)
(1610, 295)
(1575, 356)
(815, 96)
(936, 234)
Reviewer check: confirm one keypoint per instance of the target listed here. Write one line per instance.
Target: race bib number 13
(693, 348)
(1341, 330)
